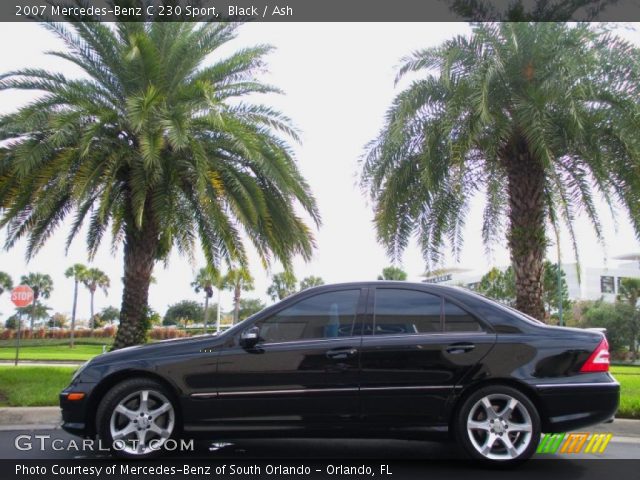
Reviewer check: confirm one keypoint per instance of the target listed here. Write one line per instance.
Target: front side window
(326, 315)
(399, 311)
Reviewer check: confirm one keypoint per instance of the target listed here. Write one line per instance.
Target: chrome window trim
(424, 334)
(310, 340)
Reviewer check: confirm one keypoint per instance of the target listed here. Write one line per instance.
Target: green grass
(52, 352)
(629, 378)
(41, 342)
(32, 386)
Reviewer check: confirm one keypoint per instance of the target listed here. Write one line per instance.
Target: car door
(416, 348)
(302, 372)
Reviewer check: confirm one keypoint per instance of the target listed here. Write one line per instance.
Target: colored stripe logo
(574, 442)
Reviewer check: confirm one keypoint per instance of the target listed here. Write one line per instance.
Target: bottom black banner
(112, 469)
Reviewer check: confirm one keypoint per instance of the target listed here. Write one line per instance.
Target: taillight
(598, 361)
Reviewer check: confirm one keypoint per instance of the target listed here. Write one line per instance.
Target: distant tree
(238, 280)
(93, 279)
(612, 316)
(6, 283)
(77, 272)
(310, 281)
(37, 311)
(393, 273)
(42, 286)
(629, 293)
(282, 285)
(12, 322)
(153, 318)
(58, 320)
(249, 306)
(206, 280)
(183, 312)
(109, 314)
(499, 285)
(550, 290)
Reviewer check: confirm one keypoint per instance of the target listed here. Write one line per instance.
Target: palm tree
(206, 279)
(538, 118)
(238, 280)
(93, 279)
(282, 285)
(77, 272)
(393, 273)
(155, 147)
(42, 286)
(5, 282)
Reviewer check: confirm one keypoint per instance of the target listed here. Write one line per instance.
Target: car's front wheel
(136, 418)
(498, 424)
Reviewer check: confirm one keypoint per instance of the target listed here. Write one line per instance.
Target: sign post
(21, 296)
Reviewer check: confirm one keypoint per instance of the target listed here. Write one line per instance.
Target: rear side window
(458, 320)
(399, 311)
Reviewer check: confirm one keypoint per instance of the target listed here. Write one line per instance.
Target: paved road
(619, 448)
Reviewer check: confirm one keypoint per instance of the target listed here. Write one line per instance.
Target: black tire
(523, 446)
(129, 389)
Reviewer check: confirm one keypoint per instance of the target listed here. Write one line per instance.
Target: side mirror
(250, 337)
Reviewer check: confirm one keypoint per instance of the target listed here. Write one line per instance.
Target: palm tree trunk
(526, 235)
(218, 313)
(236, 303)
(139, 258)
(33, 311)
(206, 310)
(73, 312)
(91, 292)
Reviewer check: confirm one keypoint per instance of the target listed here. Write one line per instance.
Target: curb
(19, 418)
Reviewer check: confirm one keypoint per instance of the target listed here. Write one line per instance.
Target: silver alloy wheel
(142, 422)
(499, 427)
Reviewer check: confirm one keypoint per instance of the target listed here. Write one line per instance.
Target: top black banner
(320, 10)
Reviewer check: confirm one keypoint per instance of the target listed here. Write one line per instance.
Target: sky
(338, 80)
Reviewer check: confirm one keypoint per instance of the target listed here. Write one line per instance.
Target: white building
(594, 282)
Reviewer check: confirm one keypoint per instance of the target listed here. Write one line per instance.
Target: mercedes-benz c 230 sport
(371, 359)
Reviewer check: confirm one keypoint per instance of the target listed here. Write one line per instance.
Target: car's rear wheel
(136, 418)
(498, 424)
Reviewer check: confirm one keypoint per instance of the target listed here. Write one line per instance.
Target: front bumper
(572, 406)
(75, 412)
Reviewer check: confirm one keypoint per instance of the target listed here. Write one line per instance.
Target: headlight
(79, 371)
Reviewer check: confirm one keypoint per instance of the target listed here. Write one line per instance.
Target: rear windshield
(506, 308)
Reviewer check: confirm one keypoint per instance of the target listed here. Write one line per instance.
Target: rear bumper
(572, 406)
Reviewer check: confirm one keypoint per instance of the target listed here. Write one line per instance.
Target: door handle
(341, 353)
(456, 348)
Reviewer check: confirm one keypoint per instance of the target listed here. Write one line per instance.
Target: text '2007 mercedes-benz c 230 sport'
(370, 359)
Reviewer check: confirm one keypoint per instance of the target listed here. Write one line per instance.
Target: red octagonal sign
(22, 295)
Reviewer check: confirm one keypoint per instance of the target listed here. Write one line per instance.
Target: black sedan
(372, 359)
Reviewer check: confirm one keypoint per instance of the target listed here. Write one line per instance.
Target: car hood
(169, 346)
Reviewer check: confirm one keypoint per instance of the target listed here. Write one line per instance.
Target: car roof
(387, 283)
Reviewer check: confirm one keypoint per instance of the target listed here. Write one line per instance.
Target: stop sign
(22, 295)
